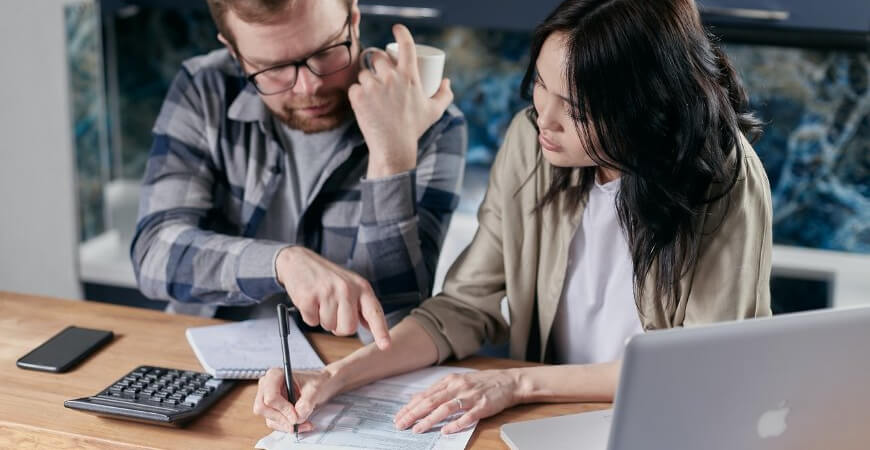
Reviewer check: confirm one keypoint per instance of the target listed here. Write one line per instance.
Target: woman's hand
(480, 394)
(312, 388)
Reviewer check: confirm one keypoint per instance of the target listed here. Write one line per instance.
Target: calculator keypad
(167, 388)
(156, 395)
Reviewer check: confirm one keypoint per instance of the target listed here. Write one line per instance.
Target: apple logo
(773, 422)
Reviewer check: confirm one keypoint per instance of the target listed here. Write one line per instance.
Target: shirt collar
(248, 106)
(610, 187)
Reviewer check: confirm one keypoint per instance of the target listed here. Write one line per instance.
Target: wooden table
(31, 403)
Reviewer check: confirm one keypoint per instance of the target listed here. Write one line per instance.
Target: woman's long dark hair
(665, 108)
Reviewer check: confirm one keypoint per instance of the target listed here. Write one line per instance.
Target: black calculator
(155, 395)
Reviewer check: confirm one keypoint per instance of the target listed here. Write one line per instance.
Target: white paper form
(363, 418)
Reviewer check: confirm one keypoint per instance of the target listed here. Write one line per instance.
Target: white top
(597, 311)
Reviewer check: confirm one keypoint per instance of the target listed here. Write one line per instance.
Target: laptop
(795, 381)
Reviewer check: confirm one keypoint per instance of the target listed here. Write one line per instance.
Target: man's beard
(339, 111)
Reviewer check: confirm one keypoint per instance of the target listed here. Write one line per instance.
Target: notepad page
(228, 350)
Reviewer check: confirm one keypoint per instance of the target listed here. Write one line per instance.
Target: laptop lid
(797, 381)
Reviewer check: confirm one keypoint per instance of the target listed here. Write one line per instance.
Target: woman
(626, 199)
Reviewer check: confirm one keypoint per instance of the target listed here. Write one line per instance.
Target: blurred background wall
(39, 226)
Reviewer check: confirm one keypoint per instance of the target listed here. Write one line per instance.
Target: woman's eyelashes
(563, 101)
(539, 81)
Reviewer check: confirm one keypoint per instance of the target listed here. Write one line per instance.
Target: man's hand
(330, 296)
(391, 109)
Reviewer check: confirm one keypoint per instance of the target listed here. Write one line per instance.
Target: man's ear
(355, 17)
(227, 44)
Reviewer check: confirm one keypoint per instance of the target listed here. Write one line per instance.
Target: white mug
(430, 64)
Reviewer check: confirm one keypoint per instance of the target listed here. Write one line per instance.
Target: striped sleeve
(173, 257)
(405, 217)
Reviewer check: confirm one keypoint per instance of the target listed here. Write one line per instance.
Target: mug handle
(366, 58)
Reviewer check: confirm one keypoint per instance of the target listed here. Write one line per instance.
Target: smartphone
(65, 349)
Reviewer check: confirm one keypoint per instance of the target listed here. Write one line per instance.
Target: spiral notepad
(248, 349)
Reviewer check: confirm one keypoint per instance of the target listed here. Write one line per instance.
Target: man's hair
(251, 11)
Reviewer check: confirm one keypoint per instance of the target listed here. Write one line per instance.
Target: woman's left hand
(478, 394)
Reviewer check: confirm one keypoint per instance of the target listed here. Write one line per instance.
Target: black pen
(285, 353)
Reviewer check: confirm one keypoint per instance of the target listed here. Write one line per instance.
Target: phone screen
(65, 349)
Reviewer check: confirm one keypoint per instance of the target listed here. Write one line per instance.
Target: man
(280, 167)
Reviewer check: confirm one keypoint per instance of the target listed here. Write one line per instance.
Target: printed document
(363, 418)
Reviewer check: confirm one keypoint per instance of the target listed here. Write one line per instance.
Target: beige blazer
(523, 256)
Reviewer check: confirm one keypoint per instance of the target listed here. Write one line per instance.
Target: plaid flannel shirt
(215, 166)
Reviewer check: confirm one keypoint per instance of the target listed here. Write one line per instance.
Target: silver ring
(459, 402)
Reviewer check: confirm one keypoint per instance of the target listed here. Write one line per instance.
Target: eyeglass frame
(304, 61)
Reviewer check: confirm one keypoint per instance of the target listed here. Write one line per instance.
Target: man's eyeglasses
(326, 61)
